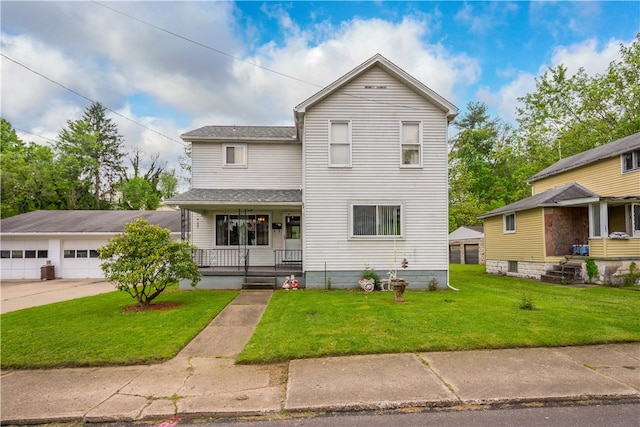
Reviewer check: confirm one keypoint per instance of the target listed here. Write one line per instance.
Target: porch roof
(558, 196)
(214, 196)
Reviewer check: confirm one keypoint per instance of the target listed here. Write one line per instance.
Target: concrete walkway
(203, 380)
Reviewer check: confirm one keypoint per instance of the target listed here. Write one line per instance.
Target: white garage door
(22, 260)
(80, 259)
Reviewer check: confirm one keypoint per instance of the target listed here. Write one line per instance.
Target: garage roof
(85, 221)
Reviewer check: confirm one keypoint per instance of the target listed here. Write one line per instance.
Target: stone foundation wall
(526, 270)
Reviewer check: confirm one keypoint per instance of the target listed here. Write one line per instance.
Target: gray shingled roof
(243, 133)
(547, 198)
(236, 196)
(612, 149)
(85, 221)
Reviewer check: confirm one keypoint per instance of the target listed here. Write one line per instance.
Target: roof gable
(612, 149)
(393, 70)
(549, 198)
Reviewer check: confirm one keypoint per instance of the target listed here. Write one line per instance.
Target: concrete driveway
(20, 294)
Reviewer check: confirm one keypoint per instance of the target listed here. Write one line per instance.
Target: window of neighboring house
(512, 266)
(411, 144)
(69, 253)
(594, 210)
(242, 230)
(235, 155)
(376, 220)
(631, 161)
(509, 223)
(340, 144)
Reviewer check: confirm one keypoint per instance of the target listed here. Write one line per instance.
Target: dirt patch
(152, 307)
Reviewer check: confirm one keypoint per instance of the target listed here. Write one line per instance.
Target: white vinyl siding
(340, 144)
(269, 166)
(375, 115)
(411, 144)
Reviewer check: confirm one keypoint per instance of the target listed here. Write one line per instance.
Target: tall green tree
(92, 150)
(482, 165)
(146, 190)
(28, 175)
(569, 114)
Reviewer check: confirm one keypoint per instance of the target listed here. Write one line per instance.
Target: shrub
(144, 260)
(370, 273)
(592, 269)
(526, 303)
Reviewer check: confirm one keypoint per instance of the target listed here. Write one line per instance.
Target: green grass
(485, 313)
(95, 331)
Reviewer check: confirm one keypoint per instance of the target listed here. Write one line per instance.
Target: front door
(292, 238)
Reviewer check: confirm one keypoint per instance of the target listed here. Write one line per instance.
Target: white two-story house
(360, 180)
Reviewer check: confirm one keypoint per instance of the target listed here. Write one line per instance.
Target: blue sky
(160, 85)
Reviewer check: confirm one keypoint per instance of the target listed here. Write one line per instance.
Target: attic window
(375, 87)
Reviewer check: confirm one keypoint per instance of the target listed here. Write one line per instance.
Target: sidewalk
(204, 381)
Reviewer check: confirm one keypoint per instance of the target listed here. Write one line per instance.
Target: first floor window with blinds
(377, 220)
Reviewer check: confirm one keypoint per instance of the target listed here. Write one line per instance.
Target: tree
(482, 161)
(144, 260)
(91, 149)
(569, 114)
(138, 194)
(28, 176)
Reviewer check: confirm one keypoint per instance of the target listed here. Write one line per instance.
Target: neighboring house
(361, 179)
(584, 205)
(466, 245)
(67, 240)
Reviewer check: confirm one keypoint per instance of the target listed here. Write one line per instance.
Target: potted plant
(369, 279)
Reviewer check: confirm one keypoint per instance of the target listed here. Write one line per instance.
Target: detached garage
(466, 245)
(66, 240)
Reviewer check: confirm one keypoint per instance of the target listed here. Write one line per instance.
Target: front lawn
(484, 313)
(96, 330)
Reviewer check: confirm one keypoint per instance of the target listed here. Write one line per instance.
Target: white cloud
(585, 54)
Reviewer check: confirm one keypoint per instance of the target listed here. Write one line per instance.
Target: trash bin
(47, 272)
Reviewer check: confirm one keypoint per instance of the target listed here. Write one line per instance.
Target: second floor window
(235, 155)
(631, 161)
(340, 144)
(411, 136)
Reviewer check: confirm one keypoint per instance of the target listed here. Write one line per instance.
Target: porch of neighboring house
(605, 232)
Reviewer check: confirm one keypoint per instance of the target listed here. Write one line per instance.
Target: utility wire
(91, 100)
(35, 134)
(206, 46)
(235, 58)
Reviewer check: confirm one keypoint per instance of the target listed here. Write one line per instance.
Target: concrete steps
(562, 274)
(259, 283)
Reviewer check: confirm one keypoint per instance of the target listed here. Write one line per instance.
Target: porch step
(563, 274)
(259, 283)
